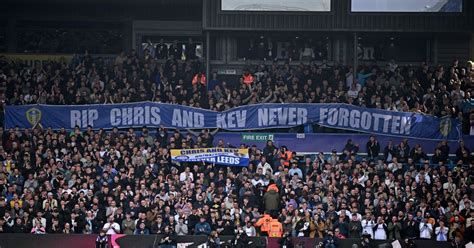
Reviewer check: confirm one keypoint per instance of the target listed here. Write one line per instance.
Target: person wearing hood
(271, 200)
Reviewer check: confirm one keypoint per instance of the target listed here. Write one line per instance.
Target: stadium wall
(340, 18)
(126, 241)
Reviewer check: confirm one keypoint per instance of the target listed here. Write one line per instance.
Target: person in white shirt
(257, 180)
(111, 227)
(249, 229)
(424, 175)
(181, 228)
(394, 165)
(380, 230)
(367, 225)
(441, 232)
(354, 212)
(426, 229)
(265, 166)
(186, 174)
(354, 90)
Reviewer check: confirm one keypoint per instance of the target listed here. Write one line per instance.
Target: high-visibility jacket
(264, 223)
(273, 187)
(288, 155)
(276, 229)
(199, 79)
(248, 79)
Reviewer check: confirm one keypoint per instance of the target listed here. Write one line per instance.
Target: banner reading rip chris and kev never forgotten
(250, 117)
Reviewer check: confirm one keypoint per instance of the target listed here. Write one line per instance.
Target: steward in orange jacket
(264, 223)
(286, 155)
(276, 229)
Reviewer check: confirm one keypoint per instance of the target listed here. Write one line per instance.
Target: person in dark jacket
(389, 152)
(411, 227)
(409, 243)
(469, 232)
(141, 229)
(213, 240)
(402, 152)
(394, 229)
(271, 199)
(285, 241)
(355, 227)
(228, 229)
(330, 241)
(169, 238)
(18, 227)
(373, 148)
(101, 241)
(241, 240)
(202, 228)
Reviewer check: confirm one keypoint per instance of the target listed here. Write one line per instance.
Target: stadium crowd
(84, 181)
(436, 90)
(125, 182)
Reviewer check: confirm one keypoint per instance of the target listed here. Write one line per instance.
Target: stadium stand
(84, 181)
(119, 186)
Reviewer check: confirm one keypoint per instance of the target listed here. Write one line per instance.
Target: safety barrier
(145, 241)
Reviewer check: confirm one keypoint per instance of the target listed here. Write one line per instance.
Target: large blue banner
(251, 117)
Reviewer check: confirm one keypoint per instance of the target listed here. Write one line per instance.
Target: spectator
(18, 227)
(199, 78)
(373, 148)
(389, 152)
(367, 225)
(441, 232)
(141, 229)
(214, 241)
(38, 229)
(426, 229)
(169, 238)
(202, 228)
(128, 224)
(181, 227)
(285, 240)
(380, 229)
(394, 229)
(271, 199)
(248, 78)
(249, 229)
(355, 227)
(102, 240)
(111, 227)
(469, 232)
(330, 241)
(264, 166)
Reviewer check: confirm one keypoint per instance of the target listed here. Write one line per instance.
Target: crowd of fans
(84, 181)
(440, 91)
(125, 182)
